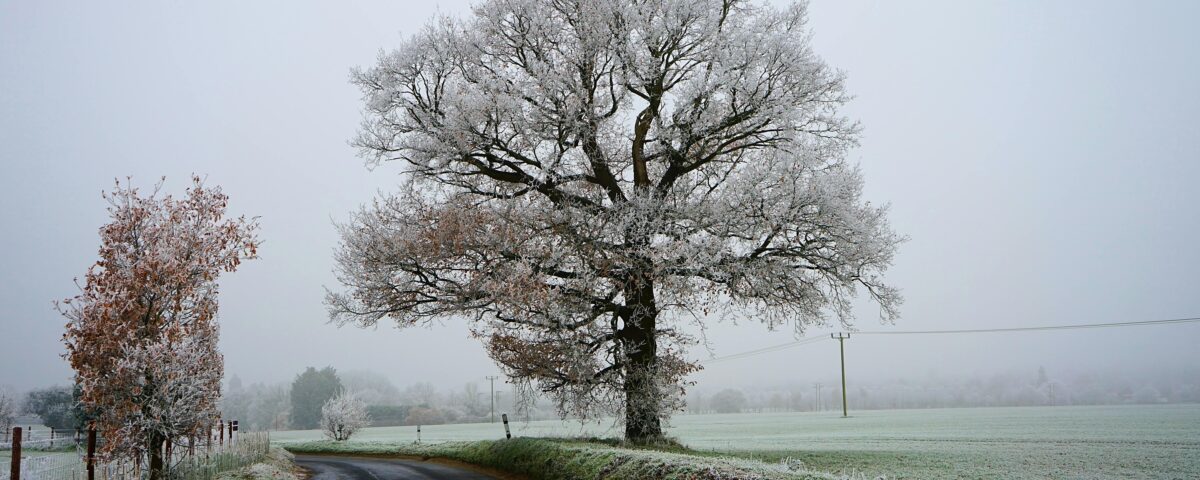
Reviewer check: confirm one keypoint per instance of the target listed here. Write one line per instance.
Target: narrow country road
(327, 467)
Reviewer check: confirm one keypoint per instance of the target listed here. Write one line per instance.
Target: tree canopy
(310, 391)
(142, 333)
(55, 406)
(582, 177)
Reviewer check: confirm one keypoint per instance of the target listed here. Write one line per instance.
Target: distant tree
(1042, 378)
(422, 394)
(1147, 394)
(372, 388)
(424, 416)
(270, 407)
(343, 415)
(387, 415)
(797, 402)
(696, 402)
(729, 401)
(472, 400)
(310, 391)
(235, 403)
(142, 335)
(777, 402)
(582, 177)
(54, 405)
(8, 410)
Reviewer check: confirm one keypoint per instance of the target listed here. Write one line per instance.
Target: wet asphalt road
(330, 467)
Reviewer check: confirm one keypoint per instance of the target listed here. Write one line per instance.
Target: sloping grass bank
(562, 459)
(276, 465)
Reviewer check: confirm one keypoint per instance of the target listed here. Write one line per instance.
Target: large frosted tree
(582, 177)
(143, 332)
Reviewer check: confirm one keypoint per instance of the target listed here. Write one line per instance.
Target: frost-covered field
(1030, 442)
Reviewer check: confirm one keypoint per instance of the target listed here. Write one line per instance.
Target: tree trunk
(642, 402)
(155, 451)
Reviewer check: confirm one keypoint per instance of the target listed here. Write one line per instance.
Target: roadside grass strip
(567, 459)
(276, 465)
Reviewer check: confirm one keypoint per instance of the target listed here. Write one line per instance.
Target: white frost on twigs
(343, 415)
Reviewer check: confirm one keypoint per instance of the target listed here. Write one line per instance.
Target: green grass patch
(585, 459)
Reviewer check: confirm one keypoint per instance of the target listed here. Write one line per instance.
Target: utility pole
(492, 380)
(818, 396)
(841, 338)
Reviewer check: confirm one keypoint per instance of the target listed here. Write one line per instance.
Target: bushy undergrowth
(584, 459)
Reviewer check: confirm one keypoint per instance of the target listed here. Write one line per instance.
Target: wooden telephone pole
(492, 379)
(841, 338)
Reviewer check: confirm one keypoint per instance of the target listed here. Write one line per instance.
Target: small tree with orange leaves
(142, 335)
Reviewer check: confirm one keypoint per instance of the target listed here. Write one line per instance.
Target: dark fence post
(15, 473)
(91, 456)
(507, 434)
(220, 433)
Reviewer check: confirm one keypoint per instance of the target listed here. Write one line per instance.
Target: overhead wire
(1034, 329)
(806, 341)
(760, 351)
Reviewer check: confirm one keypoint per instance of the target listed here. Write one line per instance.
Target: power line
(760, 351)
(797, 343)
(1033, 329)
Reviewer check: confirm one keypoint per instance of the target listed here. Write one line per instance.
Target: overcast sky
(1042, 156)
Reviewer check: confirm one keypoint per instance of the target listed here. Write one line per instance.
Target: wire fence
(65, 458)
(41, 438)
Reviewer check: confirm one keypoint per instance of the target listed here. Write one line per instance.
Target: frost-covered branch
(579, 175)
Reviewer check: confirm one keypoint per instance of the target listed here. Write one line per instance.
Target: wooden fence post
(220, 433)
(15, 472)
(91, 455)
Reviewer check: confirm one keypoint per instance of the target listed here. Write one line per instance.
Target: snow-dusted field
(1030, 442)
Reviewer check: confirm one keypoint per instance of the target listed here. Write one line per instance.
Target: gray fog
(1041, 156)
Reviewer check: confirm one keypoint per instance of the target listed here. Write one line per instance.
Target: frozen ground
(1031, 442)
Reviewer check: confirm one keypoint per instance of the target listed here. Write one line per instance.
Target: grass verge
(588, 459)
(277, 465)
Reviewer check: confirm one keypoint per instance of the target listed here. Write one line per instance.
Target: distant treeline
(292, 405)
(1038, 388)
